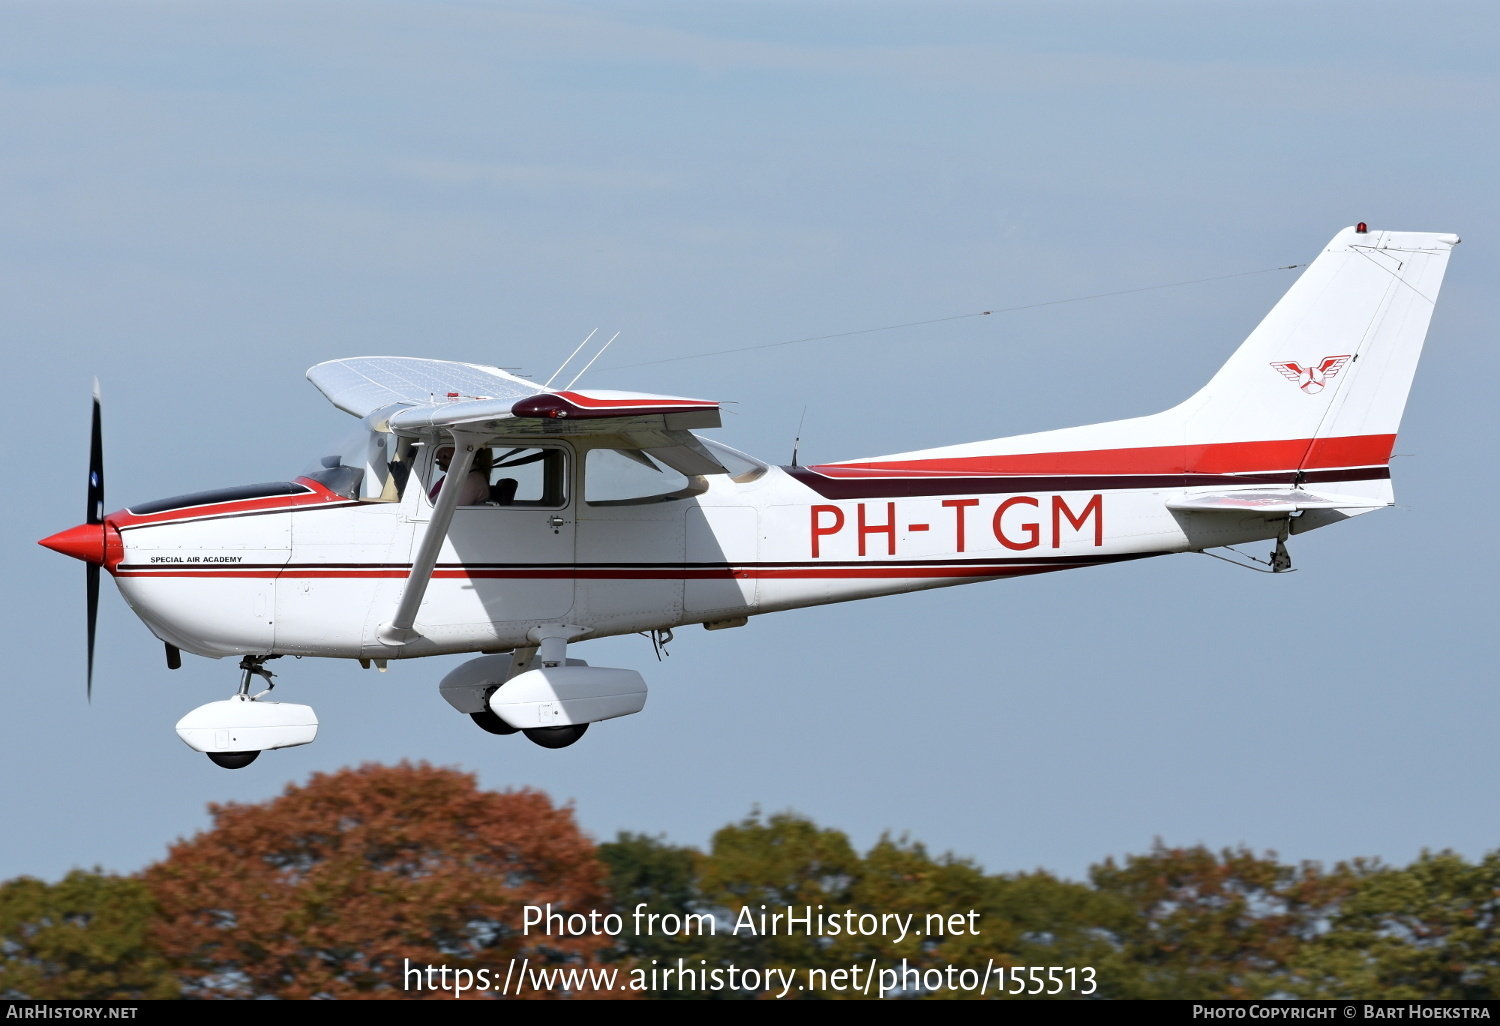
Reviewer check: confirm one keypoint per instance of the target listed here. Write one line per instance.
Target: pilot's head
(484, 459)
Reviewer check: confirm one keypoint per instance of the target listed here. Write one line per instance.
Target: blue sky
(199, 201)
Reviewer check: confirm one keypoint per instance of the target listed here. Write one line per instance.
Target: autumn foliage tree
(338, 886)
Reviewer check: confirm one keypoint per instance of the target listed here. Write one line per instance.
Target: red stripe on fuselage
(915, 570)
(1216, 458)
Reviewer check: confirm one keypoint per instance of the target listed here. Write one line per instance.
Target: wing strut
(400, 630)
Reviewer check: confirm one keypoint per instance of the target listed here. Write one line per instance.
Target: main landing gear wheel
(492, 723)
(233, 760)
(556, 737)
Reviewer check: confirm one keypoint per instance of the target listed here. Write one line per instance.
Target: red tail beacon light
(1361, 229)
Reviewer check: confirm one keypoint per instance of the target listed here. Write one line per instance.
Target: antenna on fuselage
(570, 357)
(591, 362)
(797, 442)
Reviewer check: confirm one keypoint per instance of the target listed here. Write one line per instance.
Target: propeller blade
(95, 516)
(96, 465)
(93, 603)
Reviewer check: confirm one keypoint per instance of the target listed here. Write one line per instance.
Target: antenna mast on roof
(591, 362)
(570, 358)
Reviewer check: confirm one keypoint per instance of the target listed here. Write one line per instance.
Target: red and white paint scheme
(570, 515)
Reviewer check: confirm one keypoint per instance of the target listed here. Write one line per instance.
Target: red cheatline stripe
(790, 573)
(1215, 458)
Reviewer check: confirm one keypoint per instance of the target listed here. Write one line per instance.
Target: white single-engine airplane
(474, 511)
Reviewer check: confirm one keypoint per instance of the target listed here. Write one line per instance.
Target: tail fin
(1315, 392)
(1333, 362)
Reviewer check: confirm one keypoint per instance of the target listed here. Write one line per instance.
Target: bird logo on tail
(1312, 378)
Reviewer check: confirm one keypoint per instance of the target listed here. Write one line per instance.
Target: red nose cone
(85, 542)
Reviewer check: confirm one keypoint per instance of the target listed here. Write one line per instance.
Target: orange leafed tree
(336, 888)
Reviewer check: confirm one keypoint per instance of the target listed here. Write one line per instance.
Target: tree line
(337, 886)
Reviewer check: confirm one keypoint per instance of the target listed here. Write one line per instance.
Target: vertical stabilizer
(1319, 386)
(1333, 362)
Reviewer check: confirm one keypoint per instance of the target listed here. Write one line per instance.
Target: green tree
(1213, 925)
(953, 912)
(84, 938)
(758, 867)
(1431, 930)
(647, 871)
(1026, 919)
(1036, 919)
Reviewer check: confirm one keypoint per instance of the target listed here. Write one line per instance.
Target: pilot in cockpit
(476, 487)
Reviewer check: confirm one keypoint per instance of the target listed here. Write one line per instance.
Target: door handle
(555, 521)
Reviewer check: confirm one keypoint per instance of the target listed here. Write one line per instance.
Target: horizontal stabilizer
(1269, 500)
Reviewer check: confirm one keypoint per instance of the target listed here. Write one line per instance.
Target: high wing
(364, 384)
(411, 396)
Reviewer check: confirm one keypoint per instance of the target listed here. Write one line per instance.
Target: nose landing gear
(234, 732)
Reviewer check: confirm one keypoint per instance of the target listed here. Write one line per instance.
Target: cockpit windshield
(369, 465)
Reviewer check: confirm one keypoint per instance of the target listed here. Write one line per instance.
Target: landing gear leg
(255, 666)
(552, 650)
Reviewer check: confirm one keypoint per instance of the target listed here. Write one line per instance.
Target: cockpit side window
(525, 476)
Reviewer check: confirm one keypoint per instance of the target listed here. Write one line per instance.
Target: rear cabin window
(629, 477)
